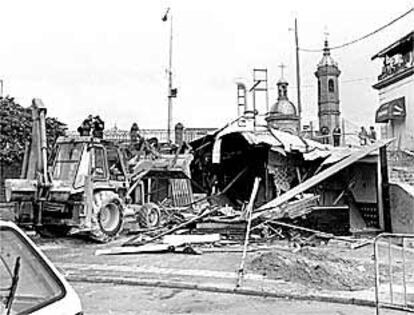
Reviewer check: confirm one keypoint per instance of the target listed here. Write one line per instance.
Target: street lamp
(172, 93)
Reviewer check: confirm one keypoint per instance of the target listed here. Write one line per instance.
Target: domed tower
(328, 93)
(283, 115)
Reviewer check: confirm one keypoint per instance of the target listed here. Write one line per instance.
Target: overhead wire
(362, 37)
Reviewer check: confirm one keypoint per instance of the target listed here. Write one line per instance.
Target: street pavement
(198, 284)
(109, 299)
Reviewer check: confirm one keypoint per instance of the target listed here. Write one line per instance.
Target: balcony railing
(395, 68)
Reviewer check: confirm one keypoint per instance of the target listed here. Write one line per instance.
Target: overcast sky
(110, 57)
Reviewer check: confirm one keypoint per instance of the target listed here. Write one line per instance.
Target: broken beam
(131, 241)
(316, 232)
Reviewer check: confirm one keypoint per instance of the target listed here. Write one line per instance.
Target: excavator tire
(109, 218)
(148, 216)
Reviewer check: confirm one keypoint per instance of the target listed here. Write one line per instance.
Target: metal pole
(390, 270)
(377, 276)
(404, 272)
(343, 132)
(254, 99)
(170, 80)
(298, 73)
(1, 88)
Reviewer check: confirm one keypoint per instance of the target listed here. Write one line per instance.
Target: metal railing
(393, 274)
(118, 135)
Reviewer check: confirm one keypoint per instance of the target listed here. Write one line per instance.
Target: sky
(110, 57)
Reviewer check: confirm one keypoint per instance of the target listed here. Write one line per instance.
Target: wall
(402, 208)
(403, 131)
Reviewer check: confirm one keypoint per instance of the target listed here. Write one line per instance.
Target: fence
(394, 272)
(188, 134)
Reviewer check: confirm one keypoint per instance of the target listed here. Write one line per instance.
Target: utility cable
(363, 37)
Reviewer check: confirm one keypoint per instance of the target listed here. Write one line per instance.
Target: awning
(263, 137)
(253, 138)
(394, 46)
(393, 110)
(310, 149)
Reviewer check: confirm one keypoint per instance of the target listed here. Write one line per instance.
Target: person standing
(98, 127)
(325, 135)
(134, 133)
(372, 135)
(363, 136)
(86, 126)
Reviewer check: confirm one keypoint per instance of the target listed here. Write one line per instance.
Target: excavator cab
(88, 182)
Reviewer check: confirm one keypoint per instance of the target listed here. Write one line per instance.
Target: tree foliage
(16, 130)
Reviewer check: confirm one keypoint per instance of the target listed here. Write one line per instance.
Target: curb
(220, 289)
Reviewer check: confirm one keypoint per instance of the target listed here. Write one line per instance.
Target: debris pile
(208, 225)
(315, 268)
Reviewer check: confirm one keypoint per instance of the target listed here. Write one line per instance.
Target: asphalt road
(105, 299)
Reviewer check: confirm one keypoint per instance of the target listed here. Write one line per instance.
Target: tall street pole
(298, 74)
(169, 92)
(170, 96)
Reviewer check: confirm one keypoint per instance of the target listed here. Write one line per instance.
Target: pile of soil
(315, 268)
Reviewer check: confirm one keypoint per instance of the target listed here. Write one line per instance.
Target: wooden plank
(234, 180)
(148, 248)
(248, 228)
(249, 208)
(178, 240)
(316, 232)
(311, 182)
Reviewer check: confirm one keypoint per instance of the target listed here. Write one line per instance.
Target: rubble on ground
(315, 268)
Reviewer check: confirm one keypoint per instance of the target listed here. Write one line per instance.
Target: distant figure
(154, 143)
(363, 136)
(86, 126)
(325, 135)
(133, 133)
(372, 135)
(337, 137)
(98, 127)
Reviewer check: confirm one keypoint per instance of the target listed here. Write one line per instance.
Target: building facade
(329, 113)
(396, 93)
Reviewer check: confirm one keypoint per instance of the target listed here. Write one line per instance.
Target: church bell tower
(327, 74)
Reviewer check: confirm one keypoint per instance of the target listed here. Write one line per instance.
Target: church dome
(283, 107)
(282, 115)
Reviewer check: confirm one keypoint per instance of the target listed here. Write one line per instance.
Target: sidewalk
(207, 280)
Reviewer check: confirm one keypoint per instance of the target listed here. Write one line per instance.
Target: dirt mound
(313, 268)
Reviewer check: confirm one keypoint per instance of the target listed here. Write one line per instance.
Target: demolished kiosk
(336, 189)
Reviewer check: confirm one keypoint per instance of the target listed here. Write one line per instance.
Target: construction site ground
(334, 277)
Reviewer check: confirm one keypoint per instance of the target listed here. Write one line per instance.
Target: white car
(29, 283)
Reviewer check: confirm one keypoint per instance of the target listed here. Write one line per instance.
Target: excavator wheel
(109, 218)
(148, 216)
